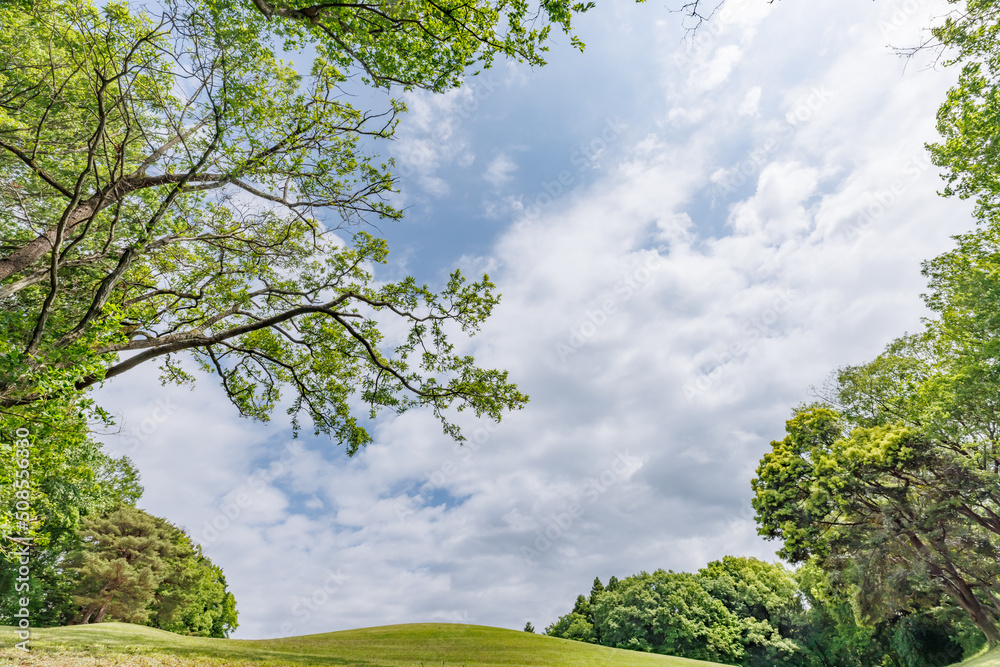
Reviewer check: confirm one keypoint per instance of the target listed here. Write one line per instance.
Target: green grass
(991, 659)
(420, 644)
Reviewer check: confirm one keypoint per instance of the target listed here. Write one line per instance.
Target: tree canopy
(171, 187)
(969, 117)
(413, 43)
(134, 567)
(744, 611)
(69, 477)
(879, 500)
(733, 611)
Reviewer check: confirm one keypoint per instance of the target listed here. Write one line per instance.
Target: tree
(744, 611)
(528, 627)
(831, 635)
(932, 633)
(170, 187)
(596, 589)
(678, 614)
(942, 384)
(968, 118)
(119, 566)
(192, 598)
(577, 625)
(68, 477)
(872, 500)
(900, 482)
(134, 567)
(753, 589)
(670, 613)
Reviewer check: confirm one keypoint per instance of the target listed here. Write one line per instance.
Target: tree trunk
(979, 615)
(960, 590)
(31, 251)
(102, 612)
(85, 615)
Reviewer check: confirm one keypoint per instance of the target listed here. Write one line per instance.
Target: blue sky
(688, 238)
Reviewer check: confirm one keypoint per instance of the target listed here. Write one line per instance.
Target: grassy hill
(421, 644)
(991, 659)
(414, 645)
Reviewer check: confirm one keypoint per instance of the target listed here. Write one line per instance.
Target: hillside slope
(427, 644)
(991, 659)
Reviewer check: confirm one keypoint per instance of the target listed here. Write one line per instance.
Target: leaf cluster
(173, 191)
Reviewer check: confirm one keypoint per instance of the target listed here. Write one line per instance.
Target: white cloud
(750, 104)
(500, 170)
(669, 312)
(433, 135)
(716, 71)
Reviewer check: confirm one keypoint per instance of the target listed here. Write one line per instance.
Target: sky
(690, 233)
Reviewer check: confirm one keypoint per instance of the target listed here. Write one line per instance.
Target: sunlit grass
(990, 659)
(422, 644)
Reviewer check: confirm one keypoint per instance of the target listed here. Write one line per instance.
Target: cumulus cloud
(664, 316)
(433, 134)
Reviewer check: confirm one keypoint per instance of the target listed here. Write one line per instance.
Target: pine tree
(138, 568)
(596, 590)
(119, 566)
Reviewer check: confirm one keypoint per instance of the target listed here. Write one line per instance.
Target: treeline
(75, 547)
(744, 611)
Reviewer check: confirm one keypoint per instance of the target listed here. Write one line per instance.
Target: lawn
(420, 644)
(991, 659)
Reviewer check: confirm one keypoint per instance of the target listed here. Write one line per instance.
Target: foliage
(411, 43)
(969, 117)
(596, 589)
(188, 186)
(578, 624)
(931, 634)
(70, 477)
(917, 456)
(138, 568)
(192, 598)
(877, 499)
(830, 634)
(752, 589)
(120, 563)
(666, 612)
(728, 612)
(743, 611)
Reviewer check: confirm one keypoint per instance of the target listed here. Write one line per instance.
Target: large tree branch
(36, 168)
(189, 340)
(38, 276)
